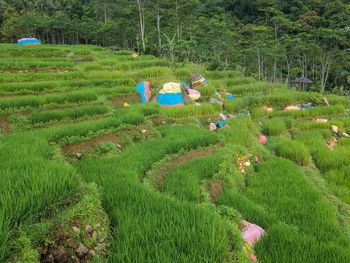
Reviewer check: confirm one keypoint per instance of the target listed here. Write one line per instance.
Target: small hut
(303, 81)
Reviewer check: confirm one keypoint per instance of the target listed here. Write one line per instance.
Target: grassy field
(147, 184)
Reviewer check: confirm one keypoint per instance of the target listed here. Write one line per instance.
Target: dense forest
(273, 40)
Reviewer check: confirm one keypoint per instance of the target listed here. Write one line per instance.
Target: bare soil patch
(168, 166)
(216, 189)
(4, 125)
(91, 144)
(119, 101)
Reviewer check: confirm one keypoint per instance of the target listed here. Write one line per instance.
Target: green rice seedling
(123, 52)
(326, 160)
(223, 83)
(204, 109)
(339, 181)
(106, 75)
(224, 74)
(27, 64)
(36, 101)
(237, 105)
(312, 125)
(299, 205)
(259, 113)
(313, 140)
(152, 72)
(335, 100)
(87, 67)
(149, 109)
(293, 150)
(139, 64)
(155, 215)
(343, 142)
(123, 58)
(27, 77)
(50, 86)
(319, 111)
(184, 73)
(239, 132)
(47, 51)
(250, 210)
(289, 122)
(72, 133)
(32, 186)
(258, 88)
(207, 91)
(184, 181)
(75, 113)
(274, 126)
(75, 132)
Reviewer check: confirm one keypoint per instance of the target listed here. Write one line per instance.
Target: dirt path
(216, 189)
(169, 165)
(86, 146)
(4, 125)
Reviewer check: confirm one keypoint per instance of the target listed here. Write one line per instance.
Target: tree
(8, 28)
(142, 6)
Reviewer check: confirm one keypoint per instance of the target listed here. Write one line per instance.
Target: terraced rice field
(84, 178)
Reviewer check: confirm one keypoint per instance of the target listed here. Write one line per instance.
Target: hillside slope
(85, 178)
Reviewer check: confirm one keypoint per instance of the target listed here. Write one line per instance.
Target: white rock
(76, 229)
(82, 250)
(88, 228)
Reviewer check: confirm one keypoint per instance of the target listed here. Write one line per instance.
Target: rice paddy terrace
(85, 179)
